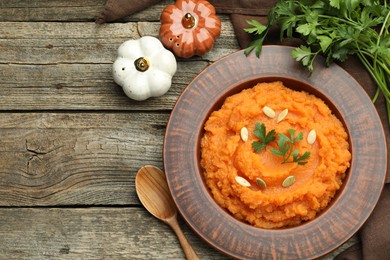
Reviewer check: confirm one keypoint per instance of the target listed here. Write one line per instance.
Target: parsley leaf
(304, 55)
(257, 28)
(265, 138)
(300, 159)
(259, 32)
(335, 3)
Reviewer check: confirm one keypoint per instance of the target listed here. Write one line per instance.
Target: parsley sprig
(261, 32)
(335, 29)
(265, 138)
(286, 148)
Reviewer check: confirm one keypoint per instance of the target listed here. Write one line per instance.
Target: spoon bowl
(153, 192)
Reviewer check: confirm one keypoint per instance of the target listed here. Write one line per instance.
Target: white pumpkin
(144, 68)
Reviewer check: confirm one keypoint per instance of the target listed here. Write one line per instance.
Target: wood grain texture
(98, 233)
(78, 42)
(51, 159)
(92, 233)
(68, 11)
(87, 10)
(80, 87)
(42, 10)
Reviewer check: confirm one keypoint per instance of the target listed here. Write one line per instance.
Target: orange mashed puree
(224, 155)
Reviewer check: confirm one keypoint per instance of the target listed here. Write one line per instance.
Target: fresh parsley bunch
(334, 29)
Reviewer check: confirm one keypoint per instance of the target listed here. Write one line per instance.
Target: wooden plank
(43, 10)
(53, 43)
(92, 233)
(51, 159)
(71, 10)
(80, 86)
(97, 233)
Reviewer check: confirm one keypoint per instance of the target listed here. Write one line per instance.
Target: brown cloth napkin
(375, 234)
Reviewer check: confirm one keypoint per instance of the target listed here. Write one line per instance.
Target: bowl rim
(181, 193)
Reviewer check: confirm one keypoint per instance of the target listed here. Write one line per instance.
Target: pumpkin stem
(188, 21)
(141, 64)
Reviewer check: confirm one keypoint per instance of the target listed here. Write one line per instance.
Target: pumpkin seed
(282, 115)
(311, 137)
(261, 183)
(240, 180)
(244, 134)
(288, 181)
(269, 112)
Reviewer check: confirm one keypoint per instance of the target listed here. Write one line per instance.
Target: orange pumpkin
(189, 27)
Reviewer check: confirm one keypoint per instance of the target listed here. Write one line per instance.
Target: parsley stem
(285, 158)
(338, 19)
(383, 65)
(383, 28)
(384, 89)
(379, 81)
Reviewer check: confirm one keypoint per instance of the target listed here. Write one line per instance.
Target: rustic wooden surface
(71, 141)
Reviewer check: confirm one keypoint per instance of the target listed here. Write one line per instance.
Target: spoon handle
(187, 248)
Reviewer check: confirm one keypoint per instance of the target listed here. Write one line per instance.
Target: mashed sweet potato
(225, 155)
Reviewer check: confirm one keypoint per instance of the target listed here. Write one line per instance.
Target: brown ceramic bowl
(352, 204)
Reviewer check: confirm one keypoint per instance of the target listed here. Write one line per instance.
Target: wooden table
(71, 141)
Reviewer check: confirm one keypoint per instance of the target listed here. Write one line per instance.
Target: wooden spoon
(152, 190)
